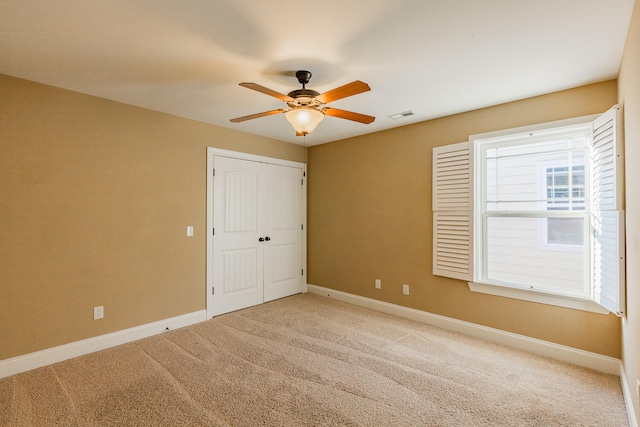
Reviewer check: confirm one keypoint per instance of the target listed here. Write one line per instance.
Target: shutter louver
(607, 219)
(453, 211)
(605, 163)
(608, 260)
(452, 243)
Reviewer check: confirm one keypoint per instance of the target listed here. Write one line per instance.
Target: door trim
(213, 152)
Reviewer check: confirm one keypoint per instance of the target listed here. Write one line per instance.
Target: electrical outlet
(378, 284)
(98, 312)
(405, 289)
(189, 230)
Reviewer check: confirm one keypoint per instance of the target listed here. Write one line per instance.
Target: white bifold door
(257, 233)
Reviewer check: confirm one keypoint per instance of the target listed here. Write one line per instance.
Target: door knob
(267, 238)
(261, 239)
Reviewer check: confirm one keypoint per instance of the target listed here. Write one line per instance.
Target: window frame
(482, 145)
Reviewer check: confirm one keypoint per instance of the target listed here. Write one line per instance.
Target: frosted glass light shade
(304, 120)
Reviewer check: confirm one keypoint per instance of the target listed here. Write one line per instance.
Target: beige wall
(629, 92)
(95, 197)
(369, 217)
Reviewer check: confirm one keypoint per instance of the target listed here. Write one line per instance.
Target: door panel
(240, 200)
(239, 270)
(238, 258)
(284, 264)
(283, 260)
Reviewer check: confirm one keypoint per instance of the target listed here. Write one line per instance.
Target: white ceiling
(435, 57)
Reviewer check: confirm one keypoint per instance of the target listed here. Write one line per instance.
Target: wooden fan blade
(349, 115)
(255, 116)
(349, 89)
(267, 91)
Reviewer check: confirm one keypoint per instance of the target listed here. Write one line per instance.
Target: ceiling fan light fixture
(304, 120)
(307, 107)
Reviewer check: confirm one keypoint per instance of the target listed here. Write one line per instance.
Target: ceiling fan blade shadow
(349, 89)
(267, 91)
(258, 115)
(348, 115)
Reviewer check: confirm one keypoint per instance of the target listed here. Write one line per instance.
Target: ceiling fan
(307, 107)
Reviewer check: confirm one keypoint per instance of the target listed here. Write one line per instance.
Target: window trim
(539, 127)
(506, 137)
(538, 296)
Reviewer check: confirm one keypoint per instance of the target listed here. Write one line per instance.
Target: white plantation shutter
(453, 211)
(607, 214)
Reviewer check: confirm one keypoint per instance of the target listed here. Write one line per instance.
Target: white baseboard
(49, 356)
(627, 392)
(609, 365)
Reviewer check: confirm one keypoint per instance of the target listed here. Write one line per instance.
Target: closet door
(238, 255)
(283, 252)
(257, 241)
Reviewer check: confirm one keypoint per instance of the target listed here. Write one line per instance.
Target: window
(565, 187)
(522, 213)
(564, 191)
(514, 216)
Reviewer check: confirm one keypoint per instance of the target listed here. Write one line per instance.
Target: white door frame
(211, 153)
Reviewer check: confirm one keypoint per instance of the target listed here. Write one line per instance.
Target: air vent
(401, 115)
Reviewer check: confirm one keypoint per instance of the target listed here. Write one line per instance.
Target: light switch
(189, 230)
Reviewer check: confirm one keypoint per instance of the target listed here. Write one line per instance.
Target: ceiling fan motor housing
(303, 97)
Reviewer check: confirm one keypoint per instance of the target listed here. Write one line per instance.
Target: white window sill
(538, 296)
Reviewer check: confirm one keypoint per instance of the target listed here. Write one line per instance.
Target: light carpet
(311, 361)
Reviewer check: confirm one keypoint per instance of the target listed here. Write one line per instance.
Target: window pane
(516, 256)
(516, 179)
(562, 193)
(560, 178)
(578, 175)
